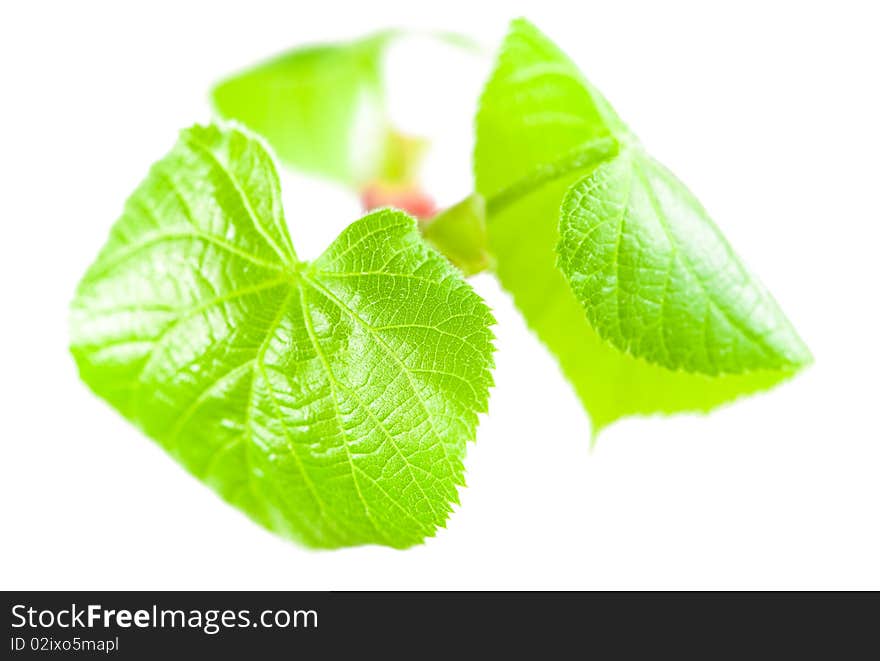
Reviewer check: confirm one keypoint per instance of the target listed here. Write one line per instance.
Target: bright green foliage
(658, 280)
(538, 118)
(321, 108)
(331, 401)
(612, 261)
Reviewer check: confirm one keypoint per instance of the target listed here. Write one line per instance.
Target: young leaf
(659, 281)
(332, 400)
(321, 108)
(648, 309)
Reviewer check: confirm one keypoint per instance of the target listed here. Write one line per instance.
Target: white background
(768, 110)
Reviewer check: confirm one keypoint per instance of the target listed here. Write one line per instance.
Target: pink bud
(406, 198)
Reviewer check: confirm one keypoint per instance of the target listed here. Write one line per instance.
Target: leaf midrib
(585, 156)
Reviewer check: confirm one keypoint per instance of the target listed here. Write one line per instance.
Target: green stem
(460, 233)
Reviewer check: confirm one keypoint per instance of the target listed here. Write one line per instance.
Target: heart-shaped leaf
(332, 400)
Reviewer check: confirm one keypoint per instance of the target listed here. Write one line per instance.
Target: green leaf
(659, 281)
(614, 264)
(332, 400)
(321, 108)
